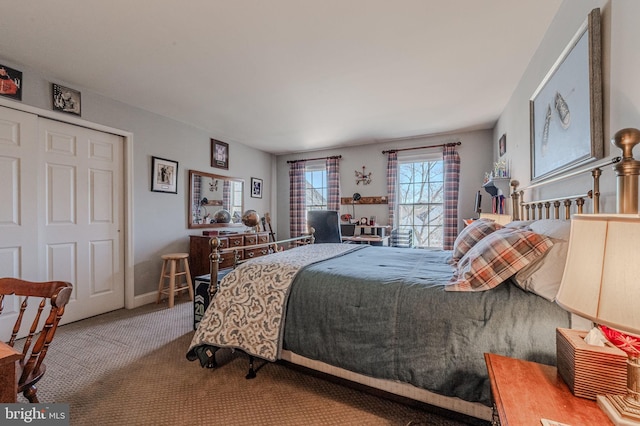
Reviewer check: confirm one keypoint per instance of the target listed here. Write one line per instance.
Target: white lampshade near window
(601, 282)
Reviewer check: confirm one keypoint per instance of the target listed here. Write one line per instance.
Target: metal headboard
(560, 207)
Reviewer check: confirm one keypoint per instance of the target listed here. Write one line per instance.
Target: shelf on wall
(364, 200)
(498, 186)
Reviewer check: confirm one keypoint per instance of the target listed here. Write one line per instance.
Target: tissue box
(590, 370)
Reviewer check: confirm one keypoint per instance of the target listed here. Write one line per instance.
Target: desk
(368, 239)
(8, 380)
(525, 392)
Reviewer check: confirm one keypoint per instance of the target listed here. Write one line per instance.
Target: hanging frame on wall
(566, 108)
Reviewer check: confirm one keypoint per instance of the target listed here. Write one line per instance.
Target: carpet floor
(128, 367)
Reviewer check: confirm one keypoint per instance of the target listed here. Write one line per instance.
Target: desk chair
(326, 224)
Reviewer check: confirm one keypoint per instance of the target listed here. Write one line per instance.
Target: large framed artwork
(566, 108)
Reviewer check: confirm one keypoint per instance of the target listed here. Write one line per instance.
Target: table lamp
(601, 282)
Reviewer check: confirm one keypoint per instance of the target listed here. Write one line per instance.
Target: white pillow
(543, 277)
(553, 228)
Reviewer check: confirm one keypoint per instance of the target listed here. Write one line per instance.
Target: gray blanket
(383, 312)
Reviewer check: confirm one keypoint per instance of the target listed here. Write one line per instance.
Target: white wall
(160, 219)
(475, 159)
(621, 87)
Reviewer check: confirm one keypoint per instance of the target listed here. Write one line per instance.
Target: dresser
(200, 249)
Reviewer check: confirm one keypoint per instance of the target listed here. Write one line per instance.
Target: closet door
(81, 191)
(61, 212)
(19, 207)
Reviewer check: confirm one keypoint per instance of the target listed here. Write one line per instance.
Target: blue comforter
(383, 312)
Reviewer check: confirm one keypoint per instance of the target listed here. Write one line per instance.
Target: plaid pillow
(496, 258)
(470, 235)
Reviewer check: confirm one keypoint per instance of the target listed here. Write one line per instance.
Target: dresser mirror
(214, 200)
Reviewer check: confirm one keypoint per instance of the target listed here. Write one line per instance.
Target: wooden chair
(31, 367)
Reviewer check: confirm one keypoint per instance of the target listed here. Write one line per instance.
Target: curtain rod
(424, 147)
(310, 159)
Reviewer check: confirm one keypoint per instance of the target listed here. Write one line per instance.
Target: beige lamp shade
(601, 279)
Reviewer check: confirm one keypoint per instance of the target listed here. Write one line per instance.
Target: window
(316, 191)
(421, 199)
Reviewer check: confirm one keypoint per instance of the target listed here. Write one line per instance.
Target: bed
(415, 323)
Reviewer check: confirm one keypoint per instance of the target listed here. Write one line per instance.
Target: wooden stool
(169, 270)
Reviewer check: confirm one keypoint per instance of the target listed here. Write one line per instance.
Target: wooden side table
(525, 392)
(8, 379)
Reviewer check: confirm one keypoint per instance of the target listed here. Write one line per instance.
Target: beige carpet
(128, 367)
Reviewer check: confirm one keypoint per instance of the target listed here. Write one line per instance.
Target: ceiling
(289, 75)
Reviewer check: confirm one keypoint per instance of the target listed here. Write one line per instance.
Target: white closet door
(81, 190)
(19, 207)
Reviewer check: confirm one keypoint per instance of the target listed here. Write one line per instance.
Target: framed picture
(10, 83)
(566, 108)
(219, 154)
(164, 175)
(256, 188)
(503, 144)
(65, 99)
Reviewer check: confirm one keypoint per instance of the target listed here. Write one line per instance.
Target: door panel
(84, 191)
(19, 206)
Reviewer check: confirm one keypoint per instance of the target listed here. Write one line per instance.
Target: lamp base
(619, 410)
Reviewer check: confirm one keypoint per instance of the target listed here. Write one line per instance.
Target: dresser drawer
(263, 237)
(226, 258)
(236, 241)
(256, 252)
(250, 239)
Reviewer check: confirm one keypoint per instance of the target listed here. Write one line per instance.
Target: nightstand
(525, 392)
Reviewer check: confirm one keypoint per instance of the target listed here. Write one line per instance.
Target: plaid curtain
(297, 198)
(226, 196)
(392, 183)
(197, 198)
(333, 183)
(451, 184)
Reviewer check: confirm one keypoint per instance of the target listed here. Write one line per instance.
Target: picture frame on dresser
(566, 108)
(164, 175)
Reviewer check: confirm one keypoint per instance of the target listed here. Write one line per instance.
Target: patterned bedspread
(248, 311)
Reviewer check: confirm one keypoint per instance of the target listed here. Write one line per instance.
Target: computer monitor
(477, 207)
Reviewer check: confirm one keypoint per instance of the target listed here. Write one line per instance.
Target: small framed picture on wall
(256, 188)
(65, 99)
(10, 83)
(164, 175)
(219, 154)
(503, 145)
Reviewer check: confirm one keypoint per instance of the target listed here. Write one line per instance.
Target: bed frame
(627, 171)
